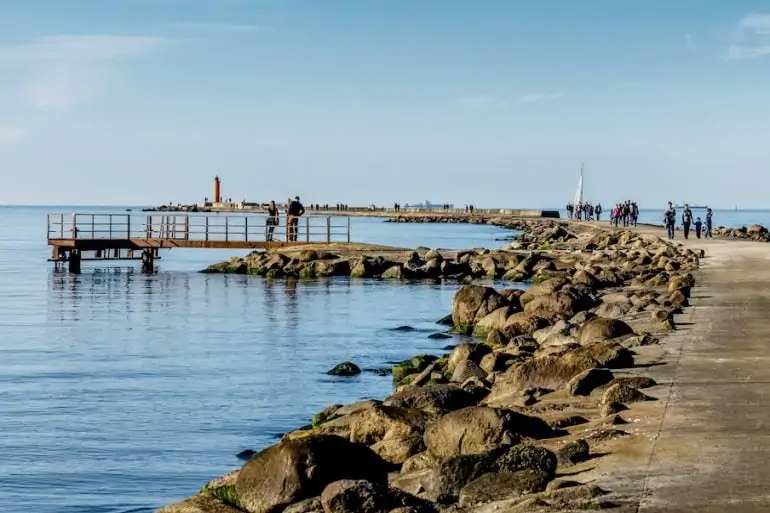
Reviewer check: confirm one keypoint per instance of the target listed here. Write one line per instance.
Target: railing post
(246, 227)
(48, 226)
(61, 226)
(348, 228)
(207, 227)
(187, 227)
(128, 226)
(328, 229)
(74, 226)
(110, 226)
(227, 226)
(307, 229)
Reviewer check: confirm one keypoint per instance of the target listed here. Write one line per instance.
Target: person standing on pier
(272, 220)
(292, 222)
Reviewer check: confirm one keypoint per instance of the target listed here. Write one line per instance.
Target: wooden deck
(119, 236)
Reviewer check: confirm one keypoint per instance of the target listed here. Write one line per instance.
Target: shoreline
(575, 380)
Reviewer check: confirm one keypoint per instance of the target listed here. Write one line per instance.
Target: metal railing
(202, 228)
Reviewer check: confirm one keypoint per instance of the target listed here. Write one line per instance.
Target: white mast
(579, 192)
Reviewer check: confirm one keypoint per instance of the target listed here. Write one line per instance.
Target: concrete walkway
(712, 452)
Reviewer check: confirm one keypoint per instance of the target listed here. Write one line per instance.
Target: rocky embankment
(755, 232)
(507, 423)
(515, 262)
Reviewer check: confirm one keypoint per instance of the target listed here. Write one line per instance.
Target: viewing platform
(77, 237)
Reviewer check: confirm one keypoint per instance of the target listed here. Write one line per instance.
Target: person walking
(669, 219)
(686, 220)
(698, 227)
(598, 211)
(709, 213)
(292, 220)
(272, 220)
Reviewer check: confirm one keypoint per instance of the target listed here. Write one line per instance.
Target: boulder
(472, 430)
(468, 351)
(467, 370)
(541, 289)
(587, 381)
(573, 453)
(494, 321)
(523, 323)
(472, 302)
(634, 381)
(359, 496)
(600, 328)
(498, 486)
(307, 506)
(559, 303)
(345, 369)
(623, 394)
(294, 470)
(433, 398)
(444, 482)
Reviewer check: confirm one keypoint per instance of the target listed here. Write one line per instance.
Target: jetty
(77, 237)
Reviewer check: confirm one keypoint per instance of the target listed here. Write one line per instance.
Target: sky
(490, 102)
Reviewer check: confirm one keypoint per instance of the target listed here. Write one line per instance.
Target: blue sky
(492, 102)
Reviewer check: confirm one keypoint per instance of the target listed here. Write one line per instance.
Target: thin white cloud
(9, 134)
(752, 39)
(222, 27)
(759, 23)
(540, 97)
(72, 69)
(482, 100)
(81, 48)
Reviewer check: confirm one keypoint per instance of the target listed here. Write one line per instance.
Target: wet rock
(345, 369)
(439, 336)
(465, 370)
(200, 504)
(466, 352)
(294, 470)
(473, 302)
(413, 365)
(245, 454)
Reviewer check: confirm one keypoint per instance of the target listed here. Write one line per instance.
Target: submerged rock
(345, 369)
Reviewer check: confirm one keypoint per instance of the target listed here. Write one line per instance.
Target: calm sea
(121, 392)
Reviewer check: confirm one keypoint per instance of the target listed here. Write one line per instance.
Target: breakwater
(500, 421)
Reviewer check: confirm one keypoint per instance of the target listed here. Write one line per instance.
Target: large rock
(623, 394)
(359, 496)
(498, 486)
(524, 323)
(554, 371)
(541, 289)
(600, 328)
(495, 320)
(472, 302)
(479, 429)
(444, 482)
(559, 303)
(587, 381)
(472, 430)
(433, 398)
(467, 351)
(294, 470)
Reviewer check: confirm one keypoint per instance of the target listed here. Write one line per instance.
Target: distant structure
(217, 190)
(428, 206)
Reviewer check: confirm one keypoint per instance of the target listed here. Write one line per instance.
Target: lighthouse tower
(217, 190)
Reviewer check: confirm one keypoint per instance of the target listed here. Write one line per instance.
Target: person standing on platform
(272, 220)
(296, 210)
(686, 220)
(669, 219)
(709, 213)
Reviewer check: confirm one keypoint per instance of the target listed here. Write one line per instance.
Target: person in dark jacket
(669, 218)
(295, 211)
(272, 220)
(686, 220)
(709, 213)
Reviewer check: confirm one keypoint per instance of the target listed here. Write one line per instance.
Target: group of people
(669, 219)
(584, 211)
(625, 214)
(293, 209)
